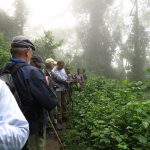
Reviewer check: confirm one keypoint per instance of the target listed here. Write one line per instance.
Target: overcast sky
(52, 14)
(45, 14)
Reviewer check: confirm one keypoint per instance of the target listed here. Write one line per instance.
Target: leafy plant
(46, 44)
(109, 115)
(4, 57)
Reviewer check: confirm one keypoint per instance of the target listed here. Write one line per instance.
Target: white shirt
(14, 129)
(62, 75)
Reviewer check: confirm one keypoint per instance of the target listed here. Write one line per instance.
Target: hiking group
(39, 91)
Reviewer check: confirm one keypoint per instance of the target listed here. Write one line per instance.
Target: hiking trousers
(37, 142)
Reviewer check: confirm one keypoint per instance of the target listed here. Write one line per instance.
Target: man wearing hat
(33, 91)
(37, 61)
(49, 63)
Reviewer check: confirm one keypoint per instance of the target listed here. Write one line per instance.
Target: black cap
(37, 60)
(22, 42)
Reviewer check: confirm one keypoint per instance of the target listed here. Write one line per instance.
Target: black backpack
(6, 76)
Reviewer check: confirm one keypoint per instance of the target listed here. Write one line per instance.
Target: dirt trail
(52, 143)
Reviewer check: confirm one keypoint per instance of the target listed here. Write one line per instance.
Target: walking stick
(62, 146)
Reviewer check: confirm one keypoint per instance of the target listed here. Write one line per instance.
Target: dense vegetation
(110, 115)
(4, 53)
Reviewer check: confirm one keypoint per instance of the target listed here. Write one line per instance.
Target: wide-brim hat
(49, 60)
(55, 62)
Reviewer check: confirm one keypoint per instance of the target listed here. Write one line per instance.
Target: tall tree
(96, 41)
(20, 16)
(138, 40)
(7, 26)
(46, 44)
(119, 31)
(139, 53)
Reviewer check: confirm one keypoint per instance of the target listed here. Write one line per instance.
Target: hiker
(49, 63)
(33, 91)
(79, 79)
(84, 74)
(60, 77)
(55, 63)
(14, 128)
(37, 61)
(69, 74)
(70, 77)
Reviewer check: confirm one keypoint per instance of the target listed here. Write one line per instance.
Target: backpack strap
(15, 67)
(12, 71)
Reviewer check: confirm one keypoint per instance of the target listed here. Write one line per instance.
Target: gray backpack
(6, 76)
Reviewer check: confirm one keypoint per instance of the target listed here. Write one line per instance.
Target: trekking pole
(62, 146)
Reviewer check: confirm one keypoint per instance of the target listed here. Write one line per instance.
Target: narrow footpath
(52, 143)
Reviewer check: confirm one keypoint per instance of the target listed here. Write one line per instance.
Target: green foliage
(110, 115)
(4, 57)
(46, 44)
(147, 73)
(4, 54)
(3, 44)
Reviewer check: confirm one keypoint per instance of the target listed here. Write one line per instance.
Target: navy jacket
(34, 93)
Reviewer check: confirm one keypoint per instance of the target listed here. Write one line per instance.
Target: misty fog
(107, 37)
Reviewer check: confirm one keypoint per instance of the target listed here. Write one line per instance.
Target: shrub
(4, 57)
(109, 115)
